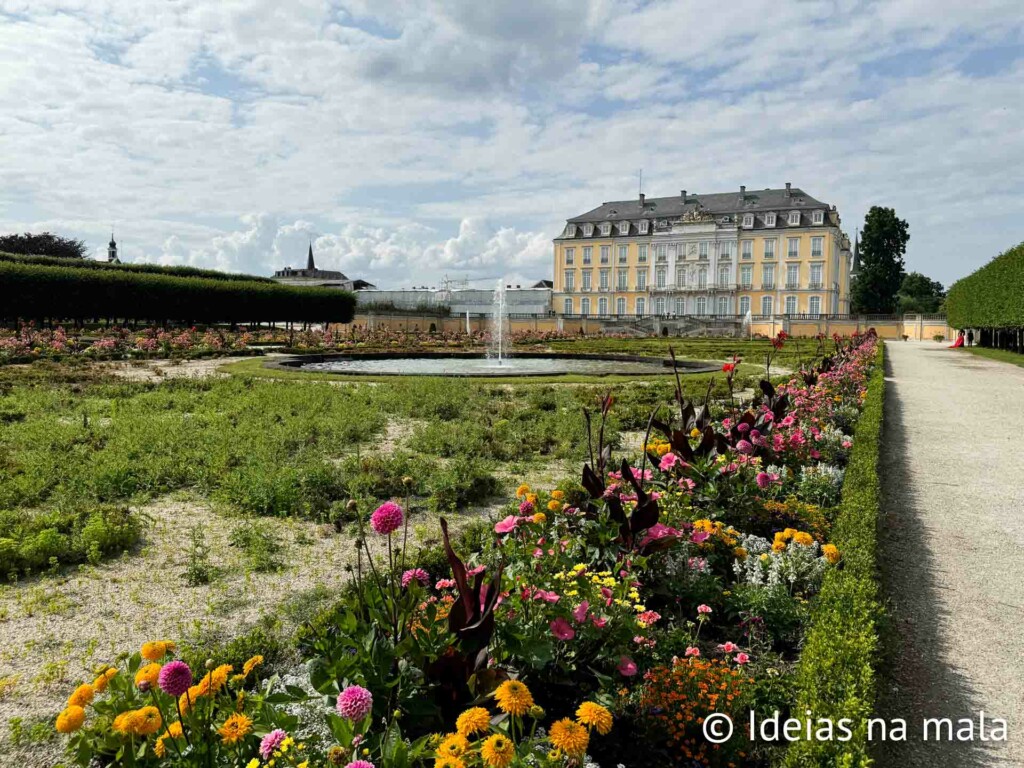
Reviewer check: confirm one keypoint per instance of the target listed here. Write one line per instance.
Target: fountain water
(496, 348)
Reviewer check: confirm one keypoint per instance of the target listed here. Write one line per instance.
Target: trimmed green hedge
(175, 271)
(31, 291)
(992, 297)
(835, 677)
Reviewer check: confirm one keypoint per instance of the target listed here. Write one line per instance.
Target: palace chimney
(682, 194)
(788, 192)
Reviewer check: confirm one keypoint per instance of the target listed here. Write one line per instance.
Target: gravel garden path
(952, 552)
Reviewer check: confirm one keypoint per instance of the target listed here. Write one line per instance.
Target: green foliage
(156, 269)
(882, 245)
(920, 294)
(199, 569)
(836, 675)
(992, 297)
(262, 546)
(34, 541)
(38, 291)
(46, 244)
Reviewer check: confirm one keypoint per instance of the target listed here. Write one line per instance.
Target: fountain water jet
(496, 347)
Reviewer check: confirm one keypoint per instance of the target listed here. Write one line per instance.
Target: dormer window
(819, 217)
(623, 227)
(748, 220)
(794, 218)
(588, 230)
(570, 230)
(643, 227)
(769, 219)
(606, 228)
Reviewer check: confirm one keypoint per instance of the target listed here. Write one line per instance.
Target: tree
(46, 244)
(921, 294)
(882, 245)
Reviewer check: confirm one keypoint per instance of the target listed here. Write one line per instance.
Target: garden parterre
(602, 617)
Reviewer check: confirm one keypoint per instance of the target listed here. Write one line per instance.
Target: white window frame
(702, 249)
(603, 279)
(723, 275)
(769, 219)
(622, 280)
(748, 220)
(816, 253)
(747, 249)
(792, 305)
(620, 306)
(723, 306)
(814, 305)
(585, 306)
(744, 304)
(725, 249)
(606, 229)
(602, 307)
(641, 253)
(767, 277)
(588, 230)
(790, 253)
(606, 254)
(747, 275)
(819, 217)
(570, 255)
(660, 277)
(623, 254)
(766, 306)
(769, 248)
(680, 277)
(641, 279)
(623, 227)
(794, 218)
(570, 230)
(569, 280)
(588, 280)
(792, 269)
(659, 306)
(567, 305)
(644, 224)
(820, 269)
(679, 307)
(701, 307)
(641, 305)
(588, 254)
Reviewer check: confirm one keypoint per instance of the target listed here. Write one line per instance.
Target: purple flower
(526, 508)
(415, 573)
(360, 764)
(175, 678)
(271, 742)
(744, 446)
(355, 703)
(387, 518)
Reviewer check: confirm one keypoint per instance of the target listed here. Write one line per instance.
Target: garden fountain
(496, 347)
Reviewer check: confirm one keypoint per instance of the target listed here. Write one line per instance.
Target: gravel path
(952, 551)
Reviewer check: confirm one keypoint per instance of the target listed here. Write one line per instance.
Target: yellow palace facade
(774, 253)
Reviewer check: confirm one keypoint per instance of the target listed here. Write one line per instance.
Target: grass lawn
(1002, 355)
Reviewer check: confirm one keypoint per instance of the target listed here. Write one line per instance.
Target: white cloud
(413, 137)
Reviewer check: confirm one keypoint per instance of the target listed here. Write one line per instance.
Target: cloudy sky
(416, 138)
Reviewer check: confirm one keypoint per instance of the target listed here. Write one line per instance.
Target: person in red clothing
(959, 341)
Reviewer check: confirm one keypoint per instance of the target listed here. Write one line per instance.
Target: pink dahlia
(561, 629)
(415, 573)
(271, 742)
(360, 764)
(355, 703)
(702, 608)
(387, 518)
(744, 446)
(175, 678)
(526, 508)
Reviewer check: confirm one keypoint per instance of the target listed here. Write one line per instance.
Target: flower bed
(604, 618)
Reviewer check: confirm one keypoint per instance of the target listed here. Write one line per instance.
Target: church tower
(310, 266)
(112, 251)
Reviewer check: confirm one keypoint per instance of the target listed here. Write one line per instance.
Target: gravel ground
(952, 545)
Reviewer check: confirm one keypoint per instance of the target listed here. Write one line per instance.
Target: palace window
(659, 306)
(766, 305)
(816, 246)
(623, 227)
(570, 254)
(643, 226)
(791, 305)
(723, 305)
(662, 253)
(819, 217)
(606, 229)
(793, 247)
(702, 249)
(680, 306)
(623, 254)
(620, 306)
(681, 277)
(567, 306)
(748, 249)
(747, 275)
(769, 219)
(586, 279)
(767, 277)
(723, 275)
(569, 281)
(584, 306)
(659, 277)
(744, 304)
(702, 305)
(794, 218)
(623, 280)
(814, 305)
(815, 275)
(604, 279)
(641, 279)
(792, 275)
(588, 252)
(641, 253)
(726, 249)
(769, 249)
(606, 254)
(570, 230)
(641, 306)
(748, 220)
(602, 306)
(702, 277)
(588, 230)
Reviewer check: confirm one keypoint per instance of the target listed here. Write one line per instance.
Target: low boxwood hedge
(835, 677)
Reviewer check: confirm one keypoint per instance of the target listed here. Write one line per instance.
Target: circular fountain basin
(476, 365)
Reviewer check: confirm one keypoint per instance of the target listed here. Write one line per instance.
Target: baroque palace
(772, 252)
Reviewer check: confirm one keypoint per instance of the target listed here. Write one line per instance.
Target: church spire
(309, 260)
(856, 252)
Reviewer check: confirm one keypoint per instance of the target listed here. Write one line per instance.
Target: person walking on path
(970, 338)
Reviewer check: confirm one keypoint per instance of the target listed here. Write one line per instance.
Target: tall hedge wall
(992, 297)
(53, 261)
(32, 291)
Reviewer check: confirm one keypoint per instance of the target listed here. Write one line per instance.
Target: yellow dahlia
(498, 751)
(556, 494)
(570, 737)
(831, 553)
(449, 762)
(522, 490)
(83, 695)
(803, 538)
(251, 664)
(157, 649)
(148, 674)
(454, 745)
(235, 728)
(146, 721)
(594, 716)
(513, 697)
(474, 720)
(71, 719)
(173, 732)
